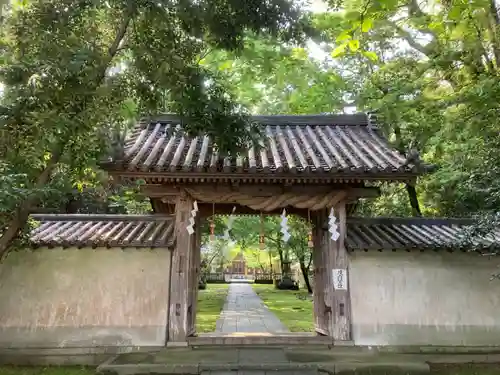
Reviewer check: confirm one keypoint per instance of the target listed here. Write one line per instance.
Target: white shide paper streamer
(332, 226)
(194, 211)
(284, 226)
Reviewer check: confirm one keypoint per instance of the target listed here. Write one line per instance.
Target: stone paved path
(244, 311)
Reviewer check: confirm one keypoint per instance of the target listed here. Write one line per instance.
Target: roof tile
(158, 231)
(104, 231)
(413, 233)
(323, 144)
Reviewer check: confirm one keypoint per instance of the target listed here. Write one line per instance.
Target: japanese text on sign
(340, 279)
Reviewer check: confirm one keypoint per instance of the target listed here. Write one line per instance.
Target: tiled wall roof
(413, 233)
(104, 231)
(158, 231)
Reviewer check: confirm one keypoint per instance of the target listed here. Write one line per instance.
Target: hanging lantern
(212, 230)
(212, 224)
(262, 242)
(310, 242)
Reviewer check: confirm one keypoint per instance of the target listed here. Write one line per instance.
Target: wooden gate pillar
(179, 316)
(341, 295)
(331, 306)
(194, 277)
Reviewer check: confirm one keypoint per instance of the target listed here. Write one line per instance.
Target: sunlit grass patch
(293, 307)
(210, 303)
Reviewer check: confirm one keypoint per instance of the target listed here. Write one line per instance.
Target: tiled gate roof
(331, 145)
(158, 231)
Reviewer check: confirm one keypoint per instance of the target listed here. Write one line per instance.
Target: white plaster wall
(430, 298)
(84, 297)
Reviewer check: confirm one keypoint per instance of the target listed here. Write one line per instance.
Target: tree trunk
(494, 25)
(14, 227)
(280, 253)
(494, 12)
(72, 205)
(412, 194)
(305, 274)
(410, 189)
(21, 216)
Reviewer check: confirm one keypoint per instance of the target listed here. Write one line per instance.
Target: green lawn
(7, 370)
(293, 308)
(466, 369)
(210, 304)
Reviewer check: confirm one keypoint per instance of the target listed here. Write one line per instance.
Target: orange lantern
(212, 231)
(310, 242)
(262, 241)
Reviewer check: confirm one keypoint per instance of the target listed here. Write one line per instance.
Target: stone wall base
(95, 356)
(425, 335)
(91, 356)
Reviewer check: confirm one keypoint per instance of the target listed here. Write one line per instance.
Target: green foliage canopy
(72, 69)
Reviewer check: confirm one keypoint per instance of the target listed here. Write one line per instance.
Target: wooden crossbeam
(168, 191)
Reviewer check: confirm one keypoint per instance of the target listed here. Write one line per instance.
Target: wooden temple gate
(309, 165)
(331, 307)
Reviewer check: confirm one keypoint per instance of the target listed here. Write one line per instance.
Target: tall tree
(70, 67)
(248, 229)
(431, 70)
(270, 78)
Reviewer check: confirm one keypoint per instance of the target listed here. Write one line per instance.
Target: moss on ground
(293, 308)
(210, 303)
(466, 369)
(14, 370)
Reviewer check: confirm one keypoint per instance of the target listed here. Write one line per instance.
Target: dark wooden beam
(206, 209)
(269, 177)
(169, 192)
(102, 217)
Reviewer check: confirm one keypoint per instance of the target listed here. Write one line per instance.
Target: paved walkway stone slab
(244, 311)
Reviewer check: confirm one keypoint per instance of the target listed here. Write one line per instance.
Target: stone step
(256, 339)
(284, 368)
(262, 372)
(262, 360)
(340, 368)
